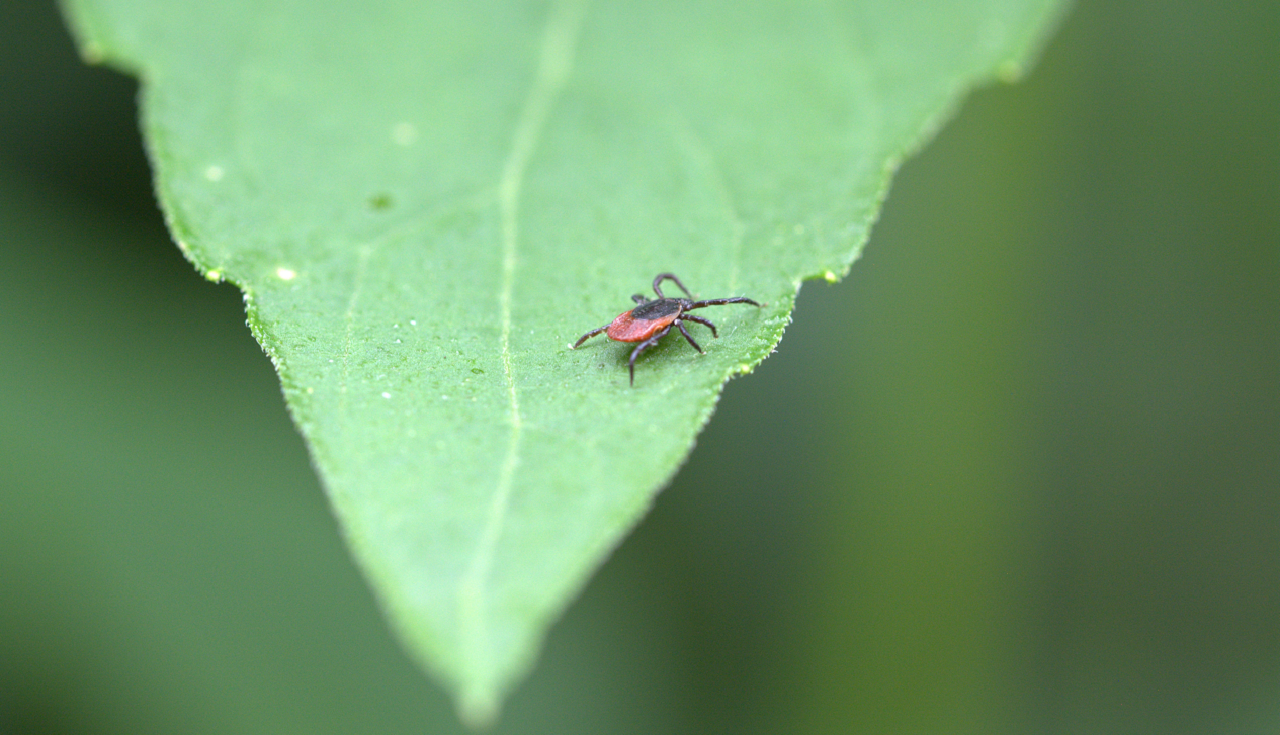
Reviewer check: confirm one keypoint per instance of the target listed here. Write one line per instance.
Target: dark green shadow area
(1017, 474)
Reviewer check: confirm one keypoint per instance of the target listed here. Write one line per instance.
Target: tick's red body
(644, 321)
(651, 320)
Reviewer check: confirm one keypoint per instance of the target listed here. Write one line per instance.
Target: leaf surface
(426, 203)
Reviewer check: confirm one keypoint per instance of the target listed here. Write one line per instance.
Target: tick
(652, 319)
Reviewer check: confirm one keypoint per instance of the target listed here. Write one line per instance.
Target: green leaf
(426, 203)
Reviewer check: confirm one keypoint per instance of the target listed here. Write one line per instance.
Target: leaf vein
(555, 64)
(348, 340)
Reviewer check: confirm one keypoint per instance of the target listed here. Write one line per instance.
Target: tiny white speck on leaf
(214, 276)
(214, 173)
(285, 274)
(404, 133)
(386, 395)
(830, 277)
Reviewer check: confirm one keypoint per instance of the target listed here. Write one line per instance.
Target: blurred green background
(1019, 473)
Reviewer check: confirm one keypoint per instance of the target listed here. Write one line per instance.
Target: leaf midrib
(555, 64)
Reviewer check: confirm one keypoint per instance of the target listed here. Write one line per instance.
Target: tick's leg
(642, 347)
(717, 302)
(588, 336)
(639, 298)
(685, 332)
(704, 322)
(665, 276)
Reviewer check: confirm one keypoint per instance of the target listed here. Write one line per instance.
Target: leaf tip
(478, 708)
(92, 53)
